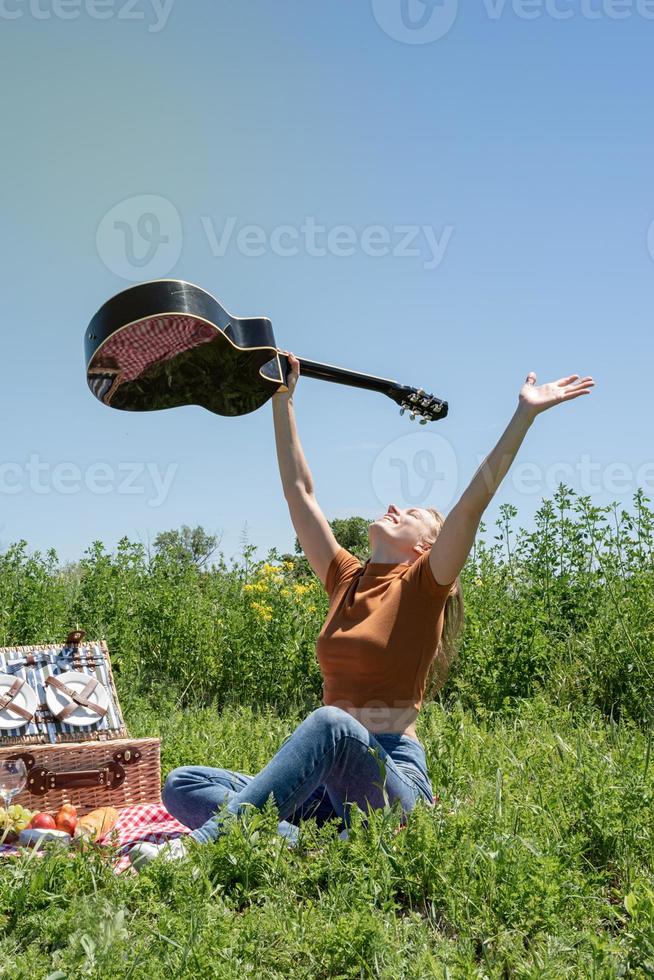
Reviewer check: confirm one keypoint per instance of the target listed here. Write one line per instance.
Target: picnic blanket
(148, 821)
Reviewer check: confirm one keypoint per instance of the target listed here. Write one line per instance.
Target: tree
(187, 544)
(350, 532)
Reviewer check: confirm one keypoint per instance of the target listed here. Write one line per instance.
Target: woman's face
(406, 528)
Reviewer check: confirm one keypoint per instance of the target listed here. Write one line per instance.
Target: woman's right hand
(294, 373)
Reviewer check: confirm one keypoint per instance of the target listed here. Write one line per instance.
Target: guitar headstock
(418, 403)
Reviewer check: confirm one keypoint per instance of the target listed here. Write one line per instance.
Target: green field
(538, 858)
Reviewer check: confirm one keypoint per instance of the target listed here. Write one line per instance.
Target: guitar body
(168, 343)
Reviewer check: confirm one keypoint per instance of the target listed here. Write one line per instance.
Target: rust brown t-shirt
(382, 631)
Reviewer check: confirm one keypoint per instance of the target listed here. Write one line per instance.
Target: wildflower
(300, 589)
(263, 611)
(256, 587)
(270, 569)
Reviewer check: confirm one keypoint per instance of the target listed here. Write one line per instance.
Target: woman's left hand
(537, 398)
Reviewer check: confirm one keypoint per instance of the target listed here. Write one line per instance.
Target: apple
(43, 821)
(66, 823)
(66, 819)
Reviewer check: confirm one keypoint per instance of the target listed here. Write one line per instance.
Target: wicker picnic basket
(69, 729)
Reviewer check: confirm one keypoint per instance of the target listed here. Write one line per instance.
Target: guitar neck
(328, 372)
(415, 400)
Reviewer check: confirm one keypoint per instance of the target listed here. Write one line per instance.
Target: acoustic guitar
(168, 343)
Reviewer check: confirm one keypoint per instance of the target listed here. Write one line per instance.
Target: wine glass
(13, 778)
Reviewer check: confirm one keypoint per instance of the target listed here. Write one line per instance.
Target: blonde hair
(448, 647)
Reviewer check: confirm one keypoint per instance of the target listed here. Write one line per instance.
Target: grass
(538, 858)
(536, 862)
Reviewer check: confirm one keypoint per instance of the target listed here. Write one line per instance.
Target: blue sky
(512, 156)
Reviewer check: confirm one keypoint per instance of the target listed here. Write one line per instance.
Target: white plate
(34, 835)
(26, 698)
(76, 680)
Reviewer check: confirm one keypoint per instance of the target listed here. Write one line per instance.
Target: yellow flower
(263, 611)
(311, 608)
(288, 565)
(300, 589)
(285, 593)
(270, 569)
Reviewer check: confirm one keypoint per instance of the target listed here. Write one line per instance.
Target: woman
(389, 622)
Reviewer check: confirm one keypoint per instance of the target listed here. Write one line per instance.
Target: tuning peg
(412, 416)
(423, 421)
(402, 410)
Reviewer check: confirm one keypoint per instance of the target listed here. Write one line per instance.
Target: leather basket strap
(41, 781)
(6, 701)
(78, 698)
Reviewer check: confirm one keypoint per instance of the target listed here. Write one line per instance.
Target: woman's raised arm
(450, 550)
(311, 526)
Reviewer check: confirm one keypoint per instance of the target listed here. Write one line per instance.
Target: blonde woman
(390, 622)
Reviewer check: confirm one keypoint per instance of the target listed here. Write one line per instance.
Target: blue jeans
(329, 762)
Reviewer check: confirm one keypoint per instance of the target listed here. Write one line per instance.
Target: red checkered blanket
(150, 822)
(133, 350)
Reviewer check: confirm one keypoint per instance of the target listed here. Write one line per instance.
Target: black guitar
(167, 343)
